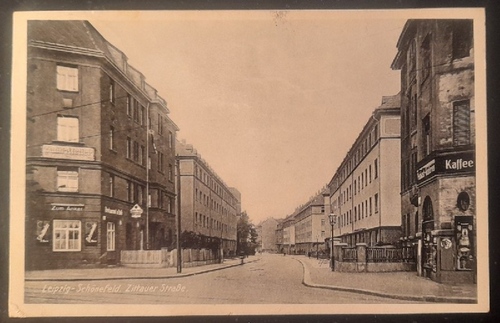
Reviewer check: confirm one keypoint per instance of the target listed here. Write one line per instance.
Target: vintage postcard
(248, 162)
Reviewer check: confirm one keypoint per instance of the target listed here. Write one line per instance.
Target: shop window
(67, 78)
(111, 236)
(67, 235)
(463, 201)
(68, 129)
(67, 179)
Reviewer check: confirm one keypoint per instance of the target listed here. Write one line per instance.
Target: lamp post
(333, 219)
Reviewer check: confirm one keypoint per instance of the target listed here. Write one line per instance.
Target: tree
(246, 235)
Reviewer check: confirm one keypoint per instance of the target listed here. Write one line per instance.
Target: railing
(383, 254)
(349, 254)
(144, 256)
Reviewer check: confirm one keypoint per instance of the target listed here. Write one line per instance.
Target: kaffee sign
(448, 164)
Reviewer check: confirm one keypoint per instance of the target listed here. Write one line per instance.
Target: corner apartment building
(99, 142)
(311, 225)
(364, 193)
(438, 199)
(208, 206)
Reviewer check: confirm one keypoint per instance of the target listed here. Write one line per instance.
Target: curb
(141, 277)
(306, 280)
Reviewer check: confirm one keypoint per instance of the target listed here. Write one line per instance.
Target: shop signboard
(68, 152)
(462, 162)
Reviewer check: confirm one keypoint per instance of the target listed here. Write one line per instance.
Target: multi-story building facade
(288, 245)
(208, 206)
(279, 236)
(311, 225)
(364, 192)
(90, 154)
(436, 60)
(266, 238)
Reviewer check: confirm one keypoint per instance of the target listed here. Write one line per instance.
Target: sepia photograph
(248, 162)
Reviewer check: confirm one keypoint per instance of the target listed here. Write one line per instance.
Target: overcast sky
(271, 100)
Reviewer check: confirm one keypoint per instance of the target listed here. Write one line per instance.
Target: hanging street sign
(136, 211)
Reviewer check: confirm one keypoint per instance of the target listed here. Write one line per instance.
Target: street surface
(272, 279)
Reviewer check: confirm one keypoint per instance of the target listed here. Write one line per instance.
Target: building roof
(390, 104)
(79, 36)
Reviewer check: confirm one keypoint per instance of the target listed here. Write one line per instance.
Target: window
(463, 201)
(111, 138)
(136, 111)
(426, 57)
(462, 38)
(170, 140)
(142, 152)
(67, 235)
(129, 147)
(130, 191)
(142, 115)
(426, 124)
(111, 185)
(111, 235)
(371, 211)
(160, 199)
(112, 95)
(170, 173)
(160, 124)
(169, 204)
(427, 210)
(130, 107)
(461, 123)
(67, 78)
(376, 203)
(370, 172)
(375, 168)
(68, 129)
(136, 151)
(67, 179)
(160, 162)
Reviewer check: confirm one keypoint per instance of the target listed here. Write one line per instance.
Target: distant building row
(409, 178)
(101, 157)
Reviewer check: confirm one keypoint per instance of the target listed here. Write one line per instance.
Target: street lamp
(333, 219)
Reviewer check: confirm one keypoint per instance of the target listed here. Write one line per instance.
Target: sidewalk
(118, 272)
(396, 285)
